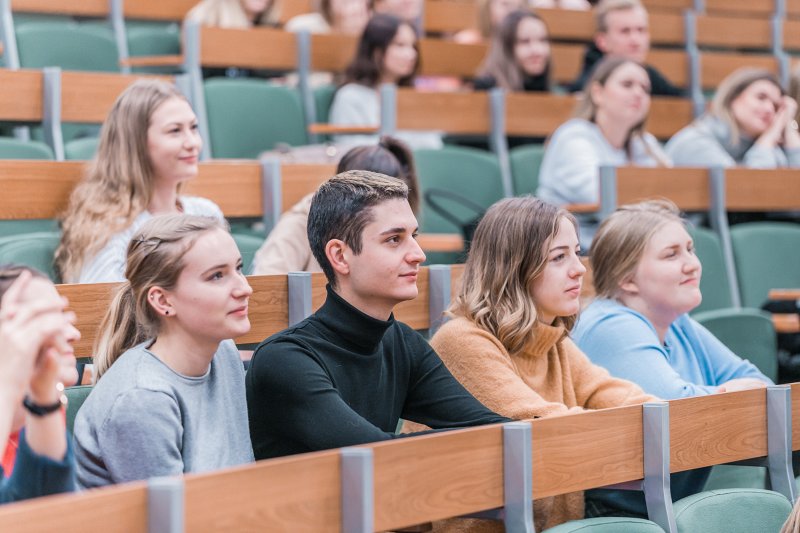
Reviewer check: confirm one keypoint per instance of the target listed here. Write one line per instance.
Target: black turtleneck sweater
(342, 378)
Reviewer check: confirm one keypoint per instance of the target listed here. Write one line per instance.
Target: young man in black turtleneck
(348, 373)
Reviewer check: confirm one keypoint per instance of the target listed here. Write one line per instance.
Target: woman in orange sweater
(508, 341)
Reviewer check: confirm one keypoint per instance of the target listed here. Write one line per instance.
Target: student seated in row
(36, 362)
(149, 147)
(169, 393)
(508, 341)
(647, 279)
(348, 373)
(286, 248)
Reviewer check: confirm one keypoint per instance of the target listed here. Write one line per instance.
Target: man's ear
(601, 42)
(158, 299)
(335, 252)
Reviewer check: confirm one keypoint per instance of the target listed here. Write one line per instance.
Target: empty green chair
(248, 116)
(473, 174)
(16, 149)
(154, 39)
(714, 282)
(607, 525)
(732, 511)
(69, 46)
(33, 249)
(248, 246)
(323, 98)
(767, 256)
(75, 398)
(525, 163)
(81, 149)
(10, 228)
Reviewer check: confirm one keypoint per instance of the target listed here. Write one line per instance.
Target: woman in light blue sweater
(169, 395)
(647, 278)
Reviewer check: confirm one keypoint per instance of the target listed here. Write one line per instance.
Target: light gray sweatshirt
(707, 142)
(144, 420)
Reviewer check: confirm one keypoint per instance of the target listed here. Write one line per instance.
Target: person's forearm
(47, 434)
(8, 406)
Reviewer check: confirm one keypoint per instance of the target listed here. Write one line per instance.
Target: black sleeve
(483, 83)
(437, 399)
(291, 394)
(660, 86)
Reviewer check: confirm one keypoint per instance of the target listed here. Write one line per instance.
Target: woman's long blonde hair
(230, 14)
(118, 184)
(155, 259)
(587, 107)
(508, 253)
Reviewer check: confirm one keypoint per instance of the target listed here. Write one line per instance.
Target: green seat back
(714, 283)
(323, 98)
(81, 149)
(607, 525)
(33, 249)
(473, 173)
(732, 511)
(248, 246)
(767, 256)
(9, 228)
(75, 398)
(736, 477)
(525, 163)
(249, 116)
(154, 39)
(16, 149)
(71, 47)
(748, 332)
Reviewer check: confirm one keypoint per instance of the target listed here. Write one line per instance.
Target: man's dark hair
(342, 207)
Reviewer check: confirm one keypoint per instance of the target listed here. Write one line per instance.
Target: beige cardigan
(286, 248)
(551, 377)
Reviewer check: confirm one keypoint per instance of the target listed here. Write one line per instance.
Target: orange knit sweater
(551, 377)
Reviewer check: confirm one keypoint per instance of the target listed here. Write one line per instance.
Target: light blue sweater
(691, 361)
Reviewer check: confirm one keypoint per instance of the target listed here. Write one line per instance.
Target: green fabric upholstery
(607, 525)
(81, 149)
(71, 47)
(471, 172)
(249, 116)
(248, 246)
(737, 477)
(154, 39)
(33, 249)
(16, 149)
(714, 283)
(75, 398)
(9, 228)
(525, 163)
(732, 511)
(767, 255)
(749, 333)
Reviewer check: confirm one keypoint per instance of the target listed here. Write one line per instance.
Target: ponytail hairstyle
(155, 259)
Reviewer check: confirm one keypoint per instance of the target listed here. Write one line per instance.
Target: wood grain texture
(449, 16)
(446, 58)
(300, 493)
(174, 10)
(120, 509)
(673, 64)
(687, 187)
(791, 29)
(90, 303)
(568, 25)
(299, 180)
(425, 479)
(717, 428)
(667, 29)
(784, 294)
(234, 185)
(715, 66)
(258, 48)
(567, 61)
(734, 32)
(451, 112)
(86, 8)
(668, 115)
(795, 416)
(332, 52)
(21, 95)
(87, 97)
(762, 190)
(36, 189)
(585, 450)
(441, 242)
(668, 5)
(752, 10)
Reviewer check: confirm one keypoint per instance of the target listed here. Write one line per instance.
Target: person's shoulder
(197, 205)
(310, 22)
(607, 312)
